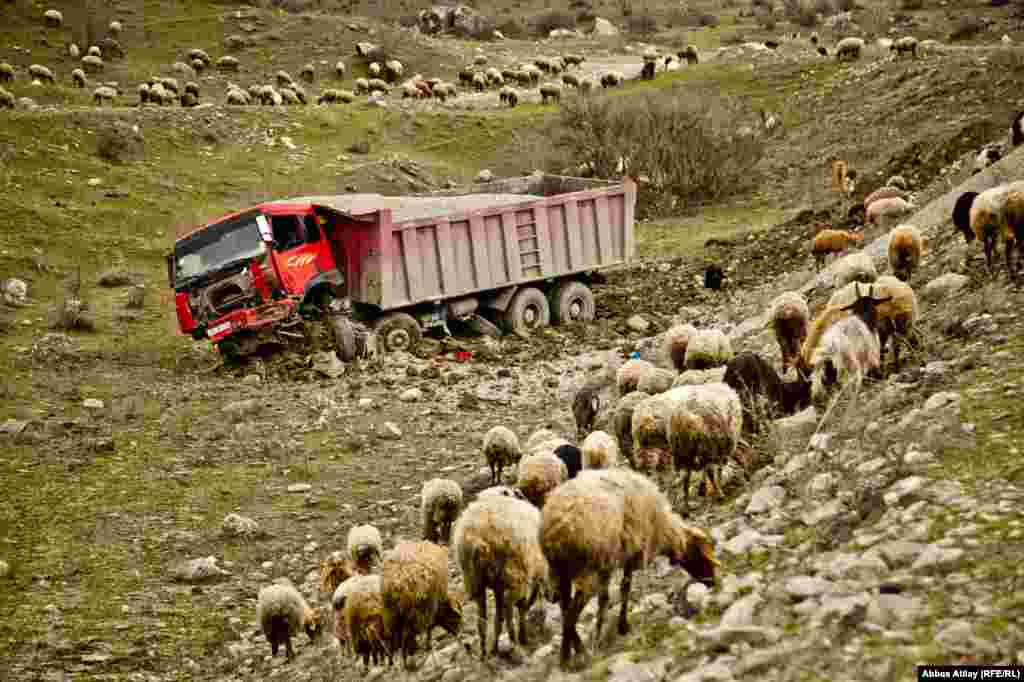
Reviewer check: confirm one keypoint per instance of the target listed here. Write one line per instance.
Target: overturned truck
(378, 270)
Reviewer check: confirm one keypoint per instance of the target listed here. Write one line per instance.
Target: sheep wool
(600, 451)
(537, 437)
(692, 377)
(497, 547)
(414, 588)
(363, 624)
(849, 48)
(610, 519)
(654, 380)
(703, 432)
(708, 348)
(855, 267)
(628, 376)
(365, 546)
(789, 315)
(848, 350)
(441, 501)
(650, 429)
(283, 612)
(501, 449)
(885, 192)
(905, 248)
(335, 569)
(884, 208)
(585, 406)
(895, 312)
(987, 217)
(622, 422)
(339, 599)
(502, 490)
(538, 474)
(829, 241)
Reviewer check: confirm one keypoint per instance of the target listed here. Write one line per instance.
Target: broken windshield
(218, 246)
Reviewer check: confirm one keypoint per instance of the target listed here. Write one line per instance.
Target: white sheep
(904, 44)
(115, 27)
(539, 473)
(600, 451)
(339, 69)
(906, 246)
(538, 437)
(501, 449)
(622, 422)
(441, 500)
(41, 73)
(52, 18)
(227, 63)
(849, 47)
(283, 612)
(104, 93)
(308, 73)
(6, 72)
(708, 348)
(887, 207)
(394, 69)
(693, 377)
(238, 97)
(550, 92)
(788, 316)
(649, 429)
(197, 53)
(628, 375)
(339, 599)
(361, 620)
(503, 490)
(987, 216)
(78, 78)
(365, 546)
(94, 51)
(847, 351)
(673, 346)
(375, 69)
(607, 520)
(6, 99)
(496, 545)
(73, 51)
(854, 267)
(703, 433)
(92, 64)
(414, 588)
(654, 380)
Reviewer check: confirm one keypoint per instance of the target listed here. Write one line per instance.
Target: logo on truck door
(300, 260)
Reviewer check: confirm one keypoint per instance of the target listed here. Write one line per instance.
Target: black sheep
(572, 457)
(584, 409)
(751, 376)
(647, 73)
(713, 277)
(822, 51)
(1017, 130)
(771, 44)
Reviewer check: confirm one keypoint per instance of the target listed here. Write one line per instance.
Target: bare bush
(514, 27)
(118, 143)
(684, 149)
(802, 13)
(967, 27)
(643, 24)
(543, 24)
(477, 27)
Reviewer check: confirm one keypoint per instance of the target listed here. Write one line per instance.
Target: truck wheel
(344, 337)
(528, 310)
(572, 302)
(397, 331)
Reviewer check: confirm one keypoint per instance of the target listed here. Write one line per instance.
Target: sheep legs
(627, 583)
(602, 607)
(500, 615)
(686, 492)
(571, 608)
(481, 621)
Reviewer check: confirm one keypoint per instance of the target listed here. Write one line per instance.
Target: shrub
(701, 19)
(845, 5)
(544, 24)
(684, 149)
(514, 27)
(477, 27)
(118, 143)
(825, 7)
(767, 22)
(643, 24)
(966, 28)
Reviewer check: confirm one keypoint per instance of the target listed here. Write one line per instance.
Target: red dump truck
(518, 252)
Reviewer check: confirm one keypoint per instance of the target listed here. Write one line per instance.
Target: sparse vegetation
(543, 24)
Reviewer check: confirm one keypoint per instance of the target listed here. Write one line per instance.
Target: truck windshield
(217, 246)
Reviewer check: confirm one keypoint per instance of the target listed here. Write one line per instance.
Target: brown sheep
(832, 241)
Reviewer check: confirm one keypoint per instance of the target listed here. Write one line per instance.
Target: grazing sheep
(362, 622)
(182, 68)
(1017, 130)
(197, 53)
(480, 60)
(713, 277)
(493, 77)
(78, 78)
(628, 376)
(848, 350)
(654, 380)
(883, 208)
(814, 38)
(496, 545)
(755, 380)
(856, 267)
(375, 69)
(362, 86)
(41, 73)
(537, 438)
(647, 71)
(822, 51)
(440, 505)
(115, 27)
(585, 406)
(52, 18)
(606, 520)
(573, 59)
(365, 547)
(884, 192)
(227, 63)
(189, 100)
(340, 596)
(571, 457)
(6, 72)
(143, 91)
(198, 65)
(283, 612)
(538, 474)
(650, 452)
(92, 63)
(508, 96)
(832, 241)
(849, 48)
(889, 307)
(672, 63)
(501, 449)
(692, 377)
(192, 87)
(335, 569)
(788, 315)
(600, 451)
(393, 70)
(622, 422)
(503, 490)
(103, 93)
(236, 97)
(613, 79)
(905, 247)
(414, 587)
(708, 348)
(409, 90)
(112, 48)
(307, 73)
(283, 79)
(289, 96)
(988, 155)
(587, 85)
(689, 54)
(6, 99)
(904, 44)
(73, 51)
(673, 345)
(703, 433)
(376, 84)
(570, 80)
(93, 51)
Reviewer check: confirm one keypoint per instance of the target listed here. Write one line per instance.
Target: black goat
(753, 377)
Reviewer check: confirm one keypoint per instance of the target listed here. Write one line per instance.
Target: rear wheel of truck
(572, 301)
(397, 331)
(344, 337)
(528, 310)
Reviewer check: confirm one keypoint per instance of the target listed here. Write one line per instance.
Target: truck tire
(572, 301)
(397, 331)
(529, 309)
(344, 337)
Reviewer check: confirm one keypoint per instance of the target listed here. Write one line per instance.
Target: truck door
(297, 251)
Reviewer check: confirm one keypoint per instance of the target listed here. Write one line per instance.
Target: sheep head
(334, 570)
(312, 622)
(691, 548)
(866, 307)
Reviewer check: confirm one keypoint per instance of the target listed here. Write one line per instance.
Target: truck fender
(500, 300)
(331, 280)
